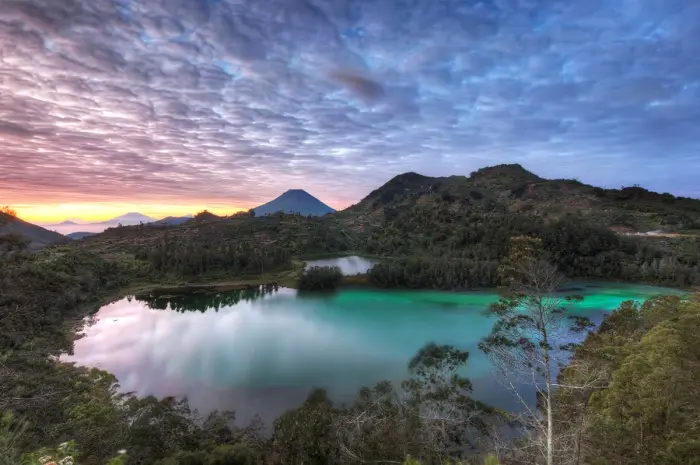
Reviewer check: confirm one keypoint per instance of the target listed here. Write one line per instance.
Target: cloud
(363, 87)
(234, 102)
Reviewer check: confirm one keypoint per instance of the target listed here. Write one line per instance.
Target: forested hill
(452, 232)
(521, 192)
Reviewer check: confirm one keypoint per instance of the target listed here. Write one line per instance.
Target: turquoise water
(261, 352)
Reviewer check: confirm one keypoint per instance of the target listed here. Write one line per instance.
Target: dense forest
(465, 251)
(192, 258)
(638, 387)
(466, 223)
(422, 272)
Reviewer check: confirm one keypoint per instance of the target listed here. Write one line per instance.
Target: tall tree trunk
(548, 383)
(550, 426)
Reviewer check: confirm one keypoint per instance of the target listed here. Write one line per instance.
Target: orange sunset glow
(93, 212)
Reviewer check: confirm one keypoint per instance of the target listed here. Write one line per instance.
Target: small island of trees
(320, 278)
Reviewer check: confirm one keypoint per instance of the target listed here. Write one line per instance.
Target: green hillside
(461, 225)
(518, 191)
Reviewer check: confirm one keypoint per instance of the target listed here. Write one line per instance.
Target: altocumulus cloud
(234, 100)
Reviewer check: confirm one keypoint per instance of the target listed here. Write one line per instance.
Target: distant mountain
(38, 236)
(294, 201)
(79, 235)
(172, 220)
(76, 230)
(130, 219)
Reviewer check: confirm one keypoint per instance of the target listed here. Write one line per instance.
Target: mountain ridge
(426, 213)
(523, 192)
(130, 217)
(37, 236)
(79, 235)
(71, 228)
(172, 220)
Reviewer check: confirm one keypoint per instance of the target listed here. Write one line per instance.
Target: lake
(262, 350)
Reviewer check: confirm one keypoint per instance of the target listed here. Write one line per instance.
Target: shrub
(320, 278)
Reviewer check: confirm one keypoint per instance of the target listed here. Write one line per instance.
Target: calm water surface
(263, 350)
(348, 265)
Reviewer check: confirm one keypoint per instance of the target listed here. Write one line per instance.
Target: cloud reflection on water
(254, 352)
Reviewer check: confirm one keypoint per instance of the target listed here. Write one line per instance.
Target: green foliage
(436, 387)
(190, 259)
(643, 409)
(307, 434)
(470, 244)
(236, 454)
(434, 273)
(40, 296)
(64, 454)
(251, 238)
(522, 251)
(320, 278)
(489, 460)
(11, 433)
(13, 242)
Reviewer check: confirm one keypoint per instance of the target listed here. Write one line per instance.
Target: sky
(172, 106)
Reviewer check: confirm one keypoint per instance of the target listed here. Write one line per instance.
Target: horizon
(171, 108)
(154, 212)
(181, 211)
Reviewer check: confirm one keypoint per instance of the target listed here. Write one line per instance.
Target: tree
(11, 431)
(432, 417)
(306, 434)
(531, 322)
(236, 454)
(8, 211)
(646, 410)
(454, 421)
(320, 278)
(13, 242)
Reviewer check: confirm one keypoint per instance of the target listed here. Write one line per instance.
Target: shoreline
(361, 281)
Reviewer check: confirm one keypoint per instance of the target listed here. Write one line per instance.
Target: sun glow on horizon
(96, 212)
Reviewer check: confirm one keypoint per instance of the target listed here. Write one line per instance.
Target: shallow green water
(261, 352)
